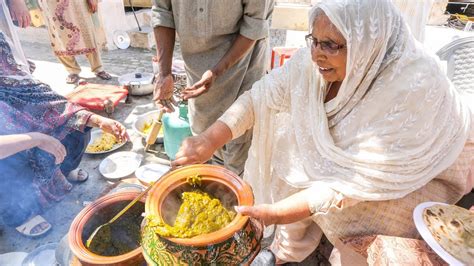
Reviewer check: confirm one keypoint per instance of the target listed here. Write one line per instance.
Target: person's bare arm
(241, 46)
(11, 144)
(163, 92)
(289, 210)
(110, 126)
(237, 51)
(165, 39)
(199, 149)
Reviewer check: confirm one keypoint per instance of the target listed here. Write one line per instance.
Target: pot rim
(77, 226)
(176, 178)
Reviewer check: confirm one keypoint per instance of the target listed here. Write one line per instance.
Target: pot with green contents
(121, 246)
(190, 219)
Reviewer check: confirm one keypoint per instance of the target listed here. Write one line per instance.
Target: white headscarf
(395, 124)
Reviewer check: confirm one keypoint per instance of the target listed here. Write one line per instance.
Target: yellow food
(199, 214)
(194, 180)
(147, 127)
(104, 143)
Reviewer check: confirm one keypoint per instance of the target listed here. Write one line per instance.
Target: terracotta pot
(237, 243)
(99, 212)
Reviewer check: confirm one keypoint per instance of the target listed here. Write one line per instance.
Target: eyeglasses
(327, 47)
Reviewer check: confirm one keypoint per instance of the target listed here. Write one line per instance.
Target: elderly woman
(350, 134)
(42, 140)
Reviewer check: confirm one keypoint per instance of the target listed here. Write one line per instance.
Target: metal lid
(136, 78)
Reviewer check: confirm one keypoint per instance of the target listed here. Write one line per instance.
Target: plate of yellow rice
(102, 142)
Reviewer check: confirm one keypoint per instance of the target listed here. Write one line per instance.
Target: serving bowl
(236, 243)
(140, 121)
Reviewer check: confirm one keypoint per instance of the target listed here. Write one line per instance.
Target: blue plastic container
(175, 129)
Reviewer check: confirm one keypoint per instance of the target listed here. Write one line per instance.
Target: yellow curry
(198, 214)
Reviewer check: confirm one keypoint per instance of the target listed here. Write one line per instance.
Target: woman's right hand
(163, 92)
(50, 145)
(193, 150)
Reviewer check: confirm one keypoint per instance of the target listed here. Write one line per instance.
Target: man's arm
(164, 30)
(254, 26)
(165, 39)
(237, 51)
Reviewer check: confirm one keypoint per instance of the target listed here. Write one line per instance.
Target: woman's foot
(78, 175)
(103, 75)
(34, 227)
(72, 79)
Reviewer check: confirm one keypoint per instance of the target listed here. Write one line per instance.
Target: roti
(453, 229)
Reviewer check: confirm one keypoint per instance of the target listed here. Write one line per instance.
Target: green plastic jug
(175, 129)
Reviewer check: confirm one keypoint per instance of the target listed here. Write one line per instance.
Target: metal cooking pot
(138, 83)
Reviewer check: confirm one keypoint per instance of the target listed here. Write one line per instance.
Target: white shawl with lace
(396, 122)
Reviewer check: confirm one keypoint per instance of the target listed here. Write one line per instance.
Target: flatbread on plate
(453, 229)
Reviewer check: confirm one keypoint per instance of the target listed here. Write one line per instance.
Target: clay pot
(99, 212)
(237, 243)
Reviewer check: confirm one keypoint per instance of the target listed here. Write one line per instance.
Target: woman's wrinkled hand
(265, 213)
(163, 92)
(92, 5)
(51, 145)
(113, 127)
(199, 87)
(19, 12)
(194, 150)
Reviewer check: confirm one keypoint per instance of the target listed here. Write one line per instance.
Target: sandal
(264, 258)
(72, 79)
(103, 75)
(78, 175)
(34, 227)
(31, 65)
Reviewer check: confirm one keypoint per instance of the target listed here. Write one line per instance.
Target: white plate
(120, 165)
(121, 39)
(12, 258)
(428, 237)
(95, 134)
(41, 256)
(151, 172)
(142, 119)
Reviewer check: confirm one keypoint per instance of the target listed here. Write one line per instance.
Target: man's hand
(92, 5)
(50, 145)
(163, 92)
(19, 13)
(199, 87)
